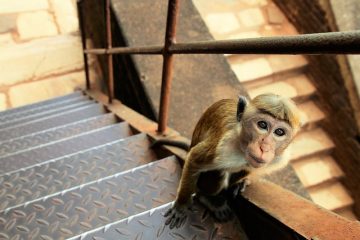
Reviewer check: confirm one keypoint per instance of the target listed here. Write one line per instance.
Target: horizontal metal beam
(316, 43)
(127, 50)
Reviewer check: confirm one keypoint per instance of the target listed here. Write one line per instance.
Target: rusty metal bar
(318, 43)
(109, 55)
(315, 43)
(127, 50)
(173, 9)
(83, 41)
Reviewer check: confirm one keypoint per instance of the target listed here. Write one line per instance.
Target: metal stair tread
(332, 196)
(309, 143)
(39, 106)
(64, 147)
(52, 121)
(297, 88)
(70, 171)
(151, 225)
(54, 134)
(47, 113)
(317, 170)
(49, 117)
(95, 204)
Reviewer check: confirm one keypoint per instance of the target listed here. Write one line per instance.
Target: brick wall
(333, 79)
(40, 51)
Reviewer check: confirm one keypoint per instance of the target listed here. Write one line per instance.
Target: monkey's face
(264, 139)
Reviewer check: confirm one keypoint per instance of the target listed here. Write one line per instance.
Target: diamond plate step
(35, 116)
(50, 122)
(150, 225)
(54, 134)
(93, 205)
(38, 107)
(64, 147)
(89, 165)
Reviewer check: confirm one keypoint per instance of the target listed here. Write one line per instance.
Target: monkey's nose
(265, 147)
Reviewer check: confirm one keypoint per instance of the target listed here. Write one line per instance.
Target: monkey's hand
(176, 216)
(240, 187)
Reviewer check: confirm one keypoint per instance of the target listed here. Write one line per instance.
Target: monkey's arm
(195, 162)
(189, 178)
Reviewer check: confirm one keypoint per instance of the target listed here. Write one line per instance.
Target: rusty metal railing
(319, 43)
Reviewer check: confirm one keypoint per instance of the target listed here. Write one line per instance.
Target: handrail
(314, 43)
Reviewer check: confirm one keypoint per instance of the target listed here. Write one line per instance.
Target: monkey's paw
(217, 207)
(240, 187)
(176, 216)
(223, 213)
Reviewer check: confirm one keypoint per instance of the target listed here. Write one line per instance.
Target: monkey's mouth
(257, 160)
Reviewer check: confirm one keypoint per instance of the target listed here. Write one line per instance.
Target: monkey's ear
(241, 107)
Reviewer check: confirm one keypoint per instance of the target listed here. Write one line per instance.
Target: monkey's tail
(174, 143)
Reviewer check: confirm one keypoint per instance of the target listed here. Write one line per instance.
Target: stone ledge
(310, 143)
(252, 17)
(3, 104)
(66, 15)
(317, 170)
(35, 25)
(7, 23)
(6, 39)
(333, 196)
(15, 6)
(31, 92)
(252, 70)
(40, 58)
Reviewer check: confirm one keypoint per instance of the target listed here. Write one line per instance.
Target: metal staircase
(69, 168)
(84, 169)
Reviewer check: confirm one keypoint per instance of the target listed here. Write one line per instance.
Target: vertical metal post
(109, 55)
(83, 40)
(173, 9)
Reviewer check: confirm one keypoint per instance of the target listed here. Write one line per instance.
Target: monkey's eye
(280, 132)
(262, 125)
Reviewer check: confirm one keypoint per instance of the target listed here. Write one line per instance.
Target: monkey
(234, 143)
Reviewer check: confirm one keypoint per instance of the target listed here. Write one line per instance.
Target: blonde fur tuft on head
(279, 107)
